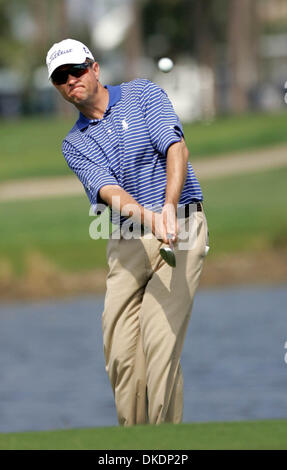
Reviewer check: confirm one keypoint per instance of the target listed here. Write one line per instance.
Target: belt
(192, 207)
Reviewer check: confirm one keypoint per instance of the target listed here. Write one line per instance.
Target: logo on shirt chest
(125, 125)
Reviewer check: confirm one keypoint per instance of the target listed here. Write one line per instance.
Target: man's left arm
(166, 134)
(176, 170)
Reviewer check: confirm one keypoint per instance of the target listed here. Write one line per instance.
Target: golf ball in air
(165, 64)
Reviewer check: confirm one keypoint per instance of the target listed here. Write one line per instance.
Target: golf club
(167, 253)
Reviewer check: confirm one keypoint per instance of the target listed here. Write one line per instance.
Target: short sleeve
(92, 176)
(163, 123)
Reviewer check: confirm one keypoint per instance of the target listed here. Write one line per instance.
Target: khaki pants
(147, 308)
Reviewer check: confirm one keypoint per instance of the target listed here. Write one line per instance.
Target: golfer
(128, 150)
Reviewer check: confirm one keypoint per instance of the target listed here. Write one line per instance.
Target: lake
(52, 373)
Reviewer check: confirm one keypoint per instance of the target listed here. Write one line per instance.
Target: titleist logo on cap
(59, 52)
(68, 51)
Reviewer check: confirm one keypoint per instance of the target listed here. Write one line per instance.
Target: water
(52, 364)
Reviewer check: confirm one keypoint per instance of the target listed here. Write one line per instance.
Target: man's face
(79, 90)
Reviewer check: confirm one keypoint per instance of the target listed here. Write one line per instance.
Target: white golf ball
(165, 64)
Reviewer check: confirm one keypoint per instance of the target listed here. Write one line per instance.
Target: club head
(168, 255)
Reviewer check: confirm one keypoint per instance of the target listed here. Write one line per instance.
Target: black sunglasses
(59, 77)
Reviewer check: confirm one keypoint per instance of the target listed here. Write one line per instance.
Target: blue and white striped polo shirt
(128, 146)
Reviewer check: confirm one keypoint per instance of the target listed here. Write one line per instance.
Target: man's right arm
(121, 201)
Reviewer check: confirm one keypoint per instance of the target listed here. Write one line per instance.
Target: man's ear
(96, 69)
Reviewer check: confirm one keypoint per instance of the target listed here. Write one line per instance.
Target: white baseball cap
(68, 51)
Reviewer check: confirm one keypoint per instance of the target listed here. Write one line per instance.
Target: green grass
(266, 434)
(56, 228)
(31, 147)
(246, 212)
(236, 133)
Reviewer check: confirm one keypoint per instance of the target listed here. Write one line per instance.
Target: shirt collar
(115, 95)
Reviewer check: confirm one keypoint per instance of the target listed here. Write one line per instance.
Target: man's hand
(165, 223)
(170, 225)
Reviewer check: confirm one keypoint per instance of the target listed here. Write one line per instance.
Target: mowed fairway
(58, 229)
(267, 434)
(31, 147)
(246, 212)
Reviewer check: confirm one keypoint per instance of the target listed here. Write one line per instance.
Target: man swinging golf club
(128, 150)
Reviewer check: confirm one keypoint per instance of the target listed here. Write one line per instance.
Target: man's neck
(96, 108)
